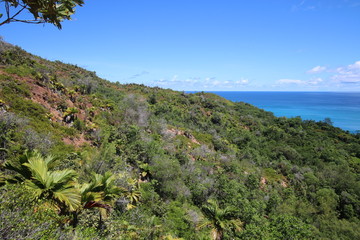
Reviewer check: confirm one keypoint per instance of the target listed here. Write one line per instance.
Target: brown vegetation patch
(283, 184)
(76, 141)
(49, 99)
(263, 182)
(175, 132)
(205, 113)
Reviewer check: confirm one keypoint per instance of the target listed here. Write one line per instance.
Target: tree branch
(28, 21)
(7, 9)
(12, 19)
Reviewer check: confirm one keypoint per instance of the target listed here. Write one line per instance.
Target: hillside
(134, 162)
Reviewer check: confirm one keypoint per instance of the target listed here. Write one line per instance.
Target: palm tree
(23, 171)
(57, 187)
(100, 188)
(72, 95)
(99, 193)
(69, 115)
(219, 220)
(132, 193)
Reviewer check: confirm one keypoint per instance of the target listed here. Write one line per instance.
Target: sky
(212, 45)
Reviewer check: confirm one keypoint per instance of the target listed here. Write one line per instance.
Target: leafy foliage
(43, 11)
(161, 164)
(56, 186)
(220, 220)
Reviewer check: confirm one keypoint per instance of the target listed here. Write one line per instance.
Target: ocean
(343, 108)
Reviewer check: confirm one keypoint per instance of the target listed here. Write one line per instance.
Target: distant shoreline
(343, 108)
(278, 91)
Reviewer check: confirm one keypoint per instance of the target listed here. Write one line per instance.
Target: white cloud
(344, 77)
(311, 82)
(196, 83)
(356, 65)
(317, 69)
(216, 83)
(315, 81)
(190, 80)
(174, 78)
(348, 74)
(303, 6)
(298, 5)
(242, 82)
(307, 5)
(290, 81)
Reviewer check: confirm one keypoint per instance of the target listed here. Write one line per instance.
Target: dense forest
(85, 158)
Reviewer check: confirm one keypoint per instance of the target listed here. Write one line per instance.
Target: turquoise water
(343, 108)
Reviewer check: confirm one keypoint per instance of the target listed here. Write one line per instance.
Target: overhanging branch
(12, 19)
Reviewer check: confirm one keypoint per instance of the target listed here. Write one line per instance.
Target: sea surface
(343, 108)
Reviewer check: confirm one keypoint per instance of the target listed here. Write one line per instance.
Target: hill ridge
(174, 161)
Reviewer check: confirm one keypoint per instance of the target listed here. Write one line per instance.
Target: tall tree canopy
(43, 11)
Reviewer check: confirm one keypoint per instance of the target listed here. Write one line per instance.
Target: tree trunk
(75, 220)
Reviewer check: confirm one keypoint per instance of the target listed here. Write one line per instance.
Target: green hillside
(85, 158)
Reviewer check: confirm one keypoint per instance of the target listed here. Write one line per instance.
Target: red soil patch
(174, 132)
(50, 100)
(77, 141)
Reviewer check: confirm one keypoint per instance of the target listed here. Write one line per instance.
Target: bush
(22, 71)
(24, 218)
(79, 125)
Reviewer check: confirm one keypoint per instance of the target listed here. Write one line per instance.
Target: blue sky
(212, 45)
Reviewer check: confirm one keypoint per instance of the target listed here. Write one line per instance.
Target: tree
(69, 115)
(100, 192)
(132, 193)
(219, 219)
(43, 11)
(328, 121)
(100, 188)
(57, 187)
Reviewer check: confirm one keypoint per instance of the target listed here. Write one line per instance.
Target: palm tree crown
(100, 188)
(58, 186)
(219, 220)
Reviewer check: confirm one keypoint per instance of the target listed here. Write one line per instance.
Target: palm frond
(2, 180)
(236, 224)
(108, 179)
(70, 197)
(38, 169)
(53, 186)
(211, 209)
(230, 212)
(50, 161)
(36, 189)
(85, 191)
(102, 184)
(96, 182)
(219, 219)
(91, 196)
(130, 206)
(62, 176)
(18, 166)
(203, 224)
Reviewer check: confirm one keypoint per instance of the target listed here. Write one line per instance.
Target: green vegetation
(83, 158)
(43, 11)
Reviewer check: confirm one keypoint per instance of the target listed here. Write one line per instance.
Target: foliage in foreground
(43, 11)
(85, 158)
